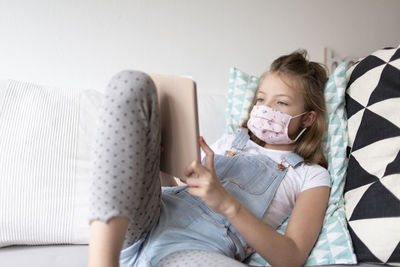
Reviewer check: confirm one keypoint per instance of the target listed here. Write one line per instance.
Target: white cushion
(45, 148)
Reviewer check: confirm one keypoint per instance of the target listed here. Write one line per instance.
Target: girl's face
(275, 93)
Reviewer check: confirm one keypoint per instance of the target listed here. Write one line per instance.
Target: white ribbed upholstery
(45, 139)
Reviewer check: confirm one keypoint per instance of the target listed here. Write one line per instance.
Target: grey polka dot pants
(192, 258)
(126, 155)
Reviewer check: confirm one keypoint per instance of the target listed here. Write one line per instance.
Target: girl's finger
(194, 168)
(188, 170)
(209, 161)
(193, 182)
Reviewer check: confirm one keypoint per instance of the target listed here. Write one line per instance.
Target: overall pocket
(249, 175)
(223, 163)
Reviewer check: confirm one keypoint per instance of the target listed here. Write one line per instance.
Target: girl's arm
(291, 249)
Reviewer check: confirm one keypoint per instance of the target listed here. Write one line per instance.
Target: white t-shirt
(295, 181)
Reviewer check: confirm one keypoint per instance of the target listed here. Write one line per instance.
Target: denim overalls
(187, 223)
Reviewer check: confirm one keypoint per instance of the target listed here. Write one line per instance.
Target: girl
(245, 187)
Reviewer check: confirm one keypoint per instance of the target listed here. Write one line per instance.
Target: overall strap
(294, 160)
(239, 142)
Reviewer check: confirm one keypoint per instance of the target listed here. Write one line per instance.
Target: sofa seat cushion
(77, 256)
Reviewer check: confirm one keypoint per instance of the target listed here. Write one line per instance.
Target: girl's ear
(309, 119)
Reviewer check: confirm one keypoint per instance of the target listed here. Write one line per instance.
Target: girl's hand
(204, 183)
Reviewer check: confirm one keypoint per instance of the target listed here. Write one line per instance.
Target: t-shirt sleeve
(316, 176)
(220, 145)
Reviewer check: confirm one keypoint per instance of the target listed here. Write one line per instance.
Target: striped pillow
(44, 163)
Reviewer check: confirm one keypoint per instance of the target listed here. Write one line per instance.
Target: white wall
(81, 43)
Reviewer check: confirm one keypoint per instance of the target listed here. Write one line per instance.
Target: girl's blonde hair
(310, 77)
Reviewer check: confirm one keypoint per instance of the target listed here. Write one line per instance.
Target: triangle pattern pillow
(334, 244)
(372, 191)
(242, 88)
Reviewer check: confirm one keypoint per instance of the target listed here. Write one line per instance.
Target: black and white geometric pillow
(372, 189)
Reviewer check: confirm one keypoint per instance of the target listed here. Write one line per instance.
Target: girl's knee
(132, 85)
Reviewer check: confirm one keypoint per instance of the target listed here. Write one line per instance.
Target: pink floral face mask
(271, 125)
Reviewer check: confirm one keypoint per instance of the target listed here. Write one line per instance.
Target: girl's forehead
(274, 83)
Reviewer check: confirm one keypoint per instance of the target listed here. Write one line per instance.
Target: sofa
(368, 197)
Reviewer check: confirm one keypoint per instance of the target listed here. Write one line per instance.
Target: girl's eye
(259, 99)
(282, 103)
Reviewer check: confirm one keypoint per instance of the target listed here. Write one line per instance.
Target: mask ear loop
(298, 136)
(305, 112)
(304, 129)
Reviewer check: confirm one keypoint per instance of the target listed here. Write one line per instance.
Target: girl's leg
(125, 189)
(199, 258)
